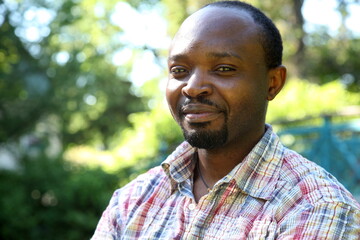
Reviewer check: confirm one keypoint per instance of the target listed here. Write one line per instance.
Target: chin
(206, 139)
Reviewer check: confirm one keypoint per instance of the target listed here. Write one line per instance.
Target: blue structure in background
(334, 146)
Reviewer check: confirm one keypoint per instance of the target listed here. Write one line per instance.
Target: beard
(206, 139)
(200, 137)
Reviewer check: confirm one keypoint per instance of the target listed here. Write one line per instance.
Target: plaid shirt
(274, 193)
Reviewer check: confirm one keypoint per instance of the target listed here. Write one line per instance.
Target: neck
(216, 163)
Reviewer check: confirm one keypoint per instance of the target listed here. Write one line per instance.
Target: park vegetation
(74, 126)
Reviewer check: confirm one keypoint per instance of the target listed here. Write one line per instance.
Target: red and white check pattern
(273, 194)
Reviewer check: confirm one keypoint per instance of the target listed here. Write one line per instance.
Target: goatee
(206, 139)
(200, 137)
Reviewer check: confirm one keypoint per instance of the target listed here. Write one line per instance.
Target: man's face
(218, 82)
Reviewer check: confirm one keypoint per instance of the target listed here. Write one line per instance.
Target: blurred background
(82, 107)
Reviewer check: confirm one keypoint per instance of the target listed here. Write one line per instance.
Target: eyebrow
(177, 57)
(224, 55)
(211, 54)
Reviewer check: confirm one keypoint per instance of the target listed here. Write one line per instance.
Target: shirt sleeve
(108, 227)
(323, 221)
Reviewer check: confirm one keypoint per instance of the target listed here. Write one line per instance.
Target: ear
(277, 77)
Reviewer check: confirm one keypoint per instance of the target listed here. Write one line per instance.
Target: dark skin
(217, 55)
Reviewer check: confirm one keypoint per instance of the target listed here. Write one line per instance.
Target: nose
(197, 86)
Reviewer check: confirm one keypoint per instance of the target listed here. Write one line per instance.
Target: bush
(53, 199)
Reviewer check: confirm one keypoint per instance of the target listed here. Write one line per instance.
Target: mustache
(198, 101)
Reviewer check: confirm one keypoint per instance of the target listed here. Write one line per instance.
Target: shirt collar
(259, 172)
(179, 166)
(256, 175)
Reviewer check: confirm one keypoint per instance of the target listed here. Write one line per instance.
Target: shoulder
(145, 184)
(143, 189)
(312, 181)
(312, 202)
(127, 199)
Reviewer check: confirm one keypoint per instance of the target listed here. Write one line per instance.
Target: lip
(199, 113)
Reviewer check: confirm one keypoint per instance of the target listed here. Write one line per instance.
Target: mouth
(200, 113)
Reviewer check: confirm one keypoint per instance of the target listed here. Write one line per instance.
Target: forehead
(219, 27)
(218, 16)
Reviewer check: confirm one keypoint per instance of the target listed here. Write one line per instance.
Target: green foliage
(67, 74)
(324, 64)
(154, 132)
(21, 99)
(65, 86)
(54, 199)
(302, 99)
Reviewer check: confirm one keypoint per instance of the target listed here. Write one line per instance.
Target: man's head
(222, 74)
(269, 35)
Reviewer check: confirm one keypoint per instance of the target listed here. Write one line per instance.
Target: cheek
(173, 95)
(246, 102)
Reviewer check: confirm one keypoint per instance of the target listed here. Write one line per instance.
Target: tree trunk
(298, 57)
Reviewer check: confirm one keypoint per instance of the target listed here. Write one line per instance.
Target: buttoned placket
(197, 213)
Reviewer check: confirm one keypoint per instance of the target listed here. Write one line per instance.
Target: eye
(178, 72)
(225, 69)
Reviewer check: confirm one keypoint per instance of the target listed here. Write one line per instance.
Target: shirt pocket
(264, 229)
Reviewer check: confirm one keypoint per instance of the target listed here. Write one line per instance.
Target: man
(231, 178)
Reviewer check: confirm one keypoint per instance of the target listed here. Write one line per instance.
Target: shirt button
(191, 206)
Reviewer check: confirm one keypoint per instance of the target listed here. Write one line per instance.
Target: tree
(333, 56)
(63, 76)
(57, 80)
